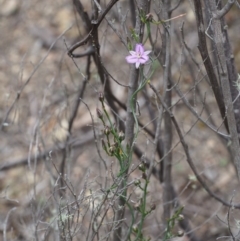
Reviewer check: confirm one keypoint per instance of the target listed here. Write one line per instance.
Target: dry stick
(167, 161)
(207, 62)
(19, 92)
(94, 49)
(174, 7)
(83, 14)
(232, 71)
(91, 28)
(73, 116)
(228, 221)
(47, 154)
(221, 13)
(218, 39)
(189, 159)
(132, 12)
(209, 33)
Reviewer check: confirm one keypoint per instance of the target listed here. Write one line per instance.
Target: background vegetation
(93, 148)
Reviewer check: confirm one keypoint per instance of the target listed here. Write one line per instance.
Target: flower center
(138, 55)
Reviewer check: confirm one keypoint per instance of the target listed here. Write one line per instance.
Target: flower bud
(115, 144)
(137, 206)
(121, 136)
(101, 97)
(135, 228)
(137, 182)
(104, 145)
(111, 150)
(149, 17)
(180, 233)
(106, 130)
(144, 176)
(180, 217)
(142, 167)
(99, 113)
(153, 206)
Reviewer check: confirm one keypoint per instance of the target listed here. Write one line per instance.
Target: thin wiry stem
(130, 119)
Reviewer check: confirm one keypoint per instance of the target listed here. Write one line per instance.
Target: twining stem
(130, 122)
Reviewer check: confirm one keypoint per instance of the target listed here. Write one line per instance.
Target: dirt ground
(39, 84)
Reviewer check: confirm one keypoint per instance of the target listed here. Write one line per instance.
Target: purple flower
(138, 56)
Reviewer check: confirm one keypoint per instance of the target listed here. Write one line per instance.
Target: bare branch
(218, 39)
(207, 62)
(221, 13)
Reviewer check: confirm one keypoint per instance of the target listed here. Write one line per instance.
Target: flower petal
(139, 49)
(144, 58)
(137, 64)
(131, 59)
(132, 53)
(147, 52)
